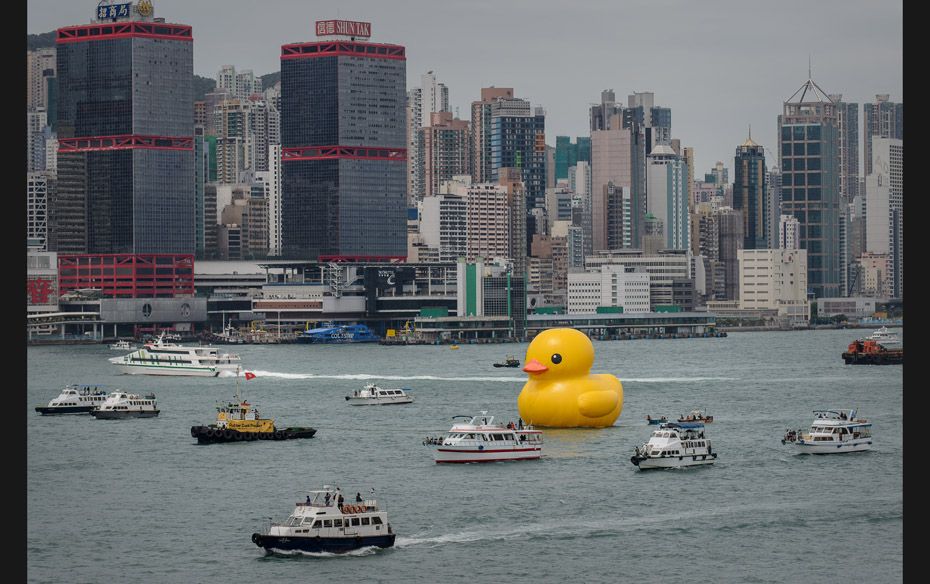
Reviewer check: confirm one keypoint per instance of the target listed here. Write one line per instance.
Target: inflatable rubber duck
(561, 392)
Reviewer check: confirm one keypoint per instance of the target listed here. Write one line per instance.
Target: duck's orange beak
(534, 366)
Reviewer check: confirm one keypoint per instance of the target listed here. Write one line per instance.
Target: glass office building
(343, 151)
(124, 109)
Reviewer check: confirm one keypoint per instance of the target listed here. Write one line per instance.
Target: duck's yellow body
(561, 391)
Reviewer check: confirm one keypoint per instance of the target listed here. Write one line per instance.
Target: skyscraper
(446, 150)
(343, 137)
(882, 119)
(481, 131)
(884, 208)
(615, 159)
(808, 142)
(518, 140)
(667, 195)
(601, 114)
(422, 102)
(125, 113)
(749, 193)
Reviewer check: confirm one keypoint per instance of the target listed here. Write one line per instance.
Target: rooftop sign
(343, 28)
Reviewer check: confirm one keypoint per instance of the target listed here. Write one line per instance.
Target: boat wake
(366, 376)
(364, 551)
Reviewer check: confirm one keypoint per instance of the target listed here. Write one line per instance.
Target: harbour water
(140, 500)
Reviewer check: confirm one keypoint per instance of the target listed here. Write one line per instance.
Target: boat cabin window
(327, 523)
(307, 521)
(355, 521)
(337, 522)
(366, 521)
(292, 521)
(376, 520)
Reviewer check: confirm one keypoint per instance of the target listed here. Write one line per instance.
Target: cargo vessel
(866, 352)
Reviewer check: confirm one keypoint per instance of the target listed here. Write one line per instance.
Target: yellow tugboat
(240, 421)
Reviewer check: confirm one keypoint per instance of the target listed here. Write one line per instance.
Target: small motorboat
(656, 421)
(453, 346)
(832, 432)
(675, 445)
(481, 440)
(697, 416)
(373, 395)
(123, 345)
(511, 361)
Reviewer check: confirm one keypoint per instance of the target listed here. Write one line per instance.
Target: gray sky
(721, 65)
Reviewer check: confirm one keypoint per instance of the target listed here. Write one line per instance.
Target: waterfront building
(667, 195)
(884, 207)
(851, 307)
(430, 97)
(488, 290)
(444, 225)
(749, 194)
(445, 150)
(127, 132)
(667, 270)
(880, 119)
(774, 279)
(808, 155)
(789, 232)
(344, 172)
(481, 131)
(613, 286)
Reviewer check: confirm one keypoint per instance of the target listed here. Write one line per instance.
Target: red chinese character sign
(39, 289)
(349, 28)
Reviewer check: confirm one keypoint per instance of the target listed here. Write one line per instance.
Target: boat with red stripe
(479, 439)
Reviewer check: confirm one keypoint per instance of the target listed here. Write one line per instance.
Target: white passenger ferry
(372, 395)
(833, 431)
(121, 404)
(327, 522)
(74, 400)
(160, 357)
(481, 440)
(675, 445)
(885, 338)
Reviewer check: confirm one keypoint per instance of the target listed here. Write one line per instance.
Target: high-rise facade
(880, 119)
(614, 158)
(446, 150)
(568, 154)
(125, 109)
(431, 96)
(750, 195)
(518, 140)
(808, 143)
(481, 131)
(773, 195)
(39, 185)
(667, 195)
(344, 161)
(884, 208)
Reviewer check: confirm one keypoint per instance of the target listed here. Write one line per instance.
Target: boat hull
(333, 545)
(462, 456)
(366, 401)
(53, 411)
(883, 358)
(673, 461)
(209, 435)
(121, 414)
(174, 370)
(858, 445)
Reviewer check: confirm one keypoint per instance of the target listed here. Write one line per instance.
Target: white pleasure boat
(122, 345)
(372, 395)
(481, 440)
(885, 338)
(74, 400)
(674, 445)
(121, 404)
(160, 357)
(326, 522)
(832, 432)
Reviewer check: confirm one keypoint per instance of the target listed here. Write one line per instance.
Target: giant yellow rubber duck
(561, 391)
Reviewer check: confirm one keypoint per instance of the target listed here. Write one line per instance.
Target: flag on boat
(249, 375)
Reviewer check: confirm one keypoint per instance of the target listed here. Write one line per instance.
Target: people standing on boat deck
(358, 497)
(341, 499)
(327, 499)
(308, 499)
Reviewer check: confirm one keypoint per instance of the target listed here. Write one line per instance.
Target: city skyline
(688, 62)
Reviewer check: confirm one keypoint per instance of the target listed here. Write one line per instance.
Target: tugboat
(832, 432)
(868, 352)
(121, 404)
(72, 400)
(510, 362)
(324, 523)
(240, 421)
(675, 445)
(372, 395)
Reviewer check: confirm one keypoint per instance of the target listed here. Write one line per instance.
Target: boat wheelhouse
(674, 445)
(479, 439)
(121, 404)
(326, 522)
(74, 400)
(161, 357)
(832, 432)
(372, 395)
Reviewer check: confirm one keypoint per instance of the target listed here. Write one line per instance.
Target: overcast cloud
(721, 65)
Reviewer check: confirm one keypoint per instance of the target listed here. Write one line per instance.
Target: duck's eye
(556, 358)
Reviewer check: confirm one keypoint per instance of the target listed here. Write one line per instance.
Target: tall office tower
(750, 195)
(601, 114)
(39, 185)
(773, 195)
(446, 150)
(614, 158)
(36, 121)
(232, 128)
(481, 131)
(847, 118)
(343, 137)
(125, 97)
(422, 101)
(884, 207)
(264, 130)
(40, 71)
(880, 119)
(789, 232)
(201, 175)
(808, 145)
(518, 140)
(271, 182)
(618, 213)
(655, 121)
(667, 195)
(730, 230)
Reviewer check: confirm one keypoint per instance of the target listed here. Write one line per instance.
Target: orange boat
(866, 352)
